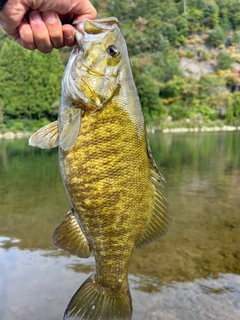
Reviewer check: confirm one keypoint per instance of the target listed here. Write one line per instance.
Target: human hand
(39, 24)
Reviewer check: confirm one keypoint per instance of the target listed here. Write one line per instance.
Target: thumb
(84, 10)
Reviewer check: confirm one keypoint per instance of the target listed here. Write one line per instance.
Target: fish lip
(79, 40)
(79, 26)
(75, 52)
(103, 25)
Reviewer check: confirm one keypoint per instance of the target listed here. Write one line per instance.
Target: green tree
(224, 61)
(149, 97)
(182, 26)
(235, 40)
(29, 81)
(217, 36)
(169, 31)
(229, 11)
(1, 111)
(153, 7)
(236, 104)
(119, 9)
(177, 110)
(209, 7)
(230, 110)
(173, 88)
(170, 14)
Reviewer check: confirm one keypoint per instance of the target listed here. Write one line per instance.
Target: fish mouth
(86, 31)
(93, 30)
(96, 26)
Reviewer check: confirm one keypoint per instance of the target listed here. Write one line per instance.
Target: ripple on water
(38, 279)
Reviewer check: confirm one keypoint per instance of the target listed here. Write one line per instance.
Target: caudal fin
(94, 303)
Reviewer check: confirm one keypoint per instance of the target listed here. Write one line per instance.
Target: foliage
(182, 26)
(233, 107)
(235, 40)
(148, 94)
(30, 81)
(169, 31)
(26, 125)
(224, 61)
(217, 36)
(170, 14)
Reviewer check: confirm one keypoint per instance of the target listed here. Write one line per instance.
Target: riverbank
(18, 135)
(12, 135)
(194, 129)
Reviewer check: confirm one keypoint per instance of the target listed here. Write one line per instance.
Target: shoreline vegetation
(185, 58)
(9, 135)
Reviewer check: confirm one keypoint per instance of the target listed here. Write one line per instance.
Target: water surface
(192, 273)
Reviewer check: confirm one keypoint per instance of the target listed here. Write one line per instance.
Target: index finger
(11, 18)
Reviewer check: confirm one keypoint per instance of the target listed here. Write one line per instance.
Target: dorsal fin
(154, 169)
(160, 216)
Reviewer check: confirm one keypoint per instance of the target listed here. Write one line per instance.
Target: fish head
(94, 72)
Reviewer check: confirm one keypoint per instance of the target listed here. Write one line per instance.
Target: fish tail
(92, 302)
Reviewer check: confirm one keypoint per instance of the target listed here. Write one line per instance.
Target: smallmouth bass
(109, 174)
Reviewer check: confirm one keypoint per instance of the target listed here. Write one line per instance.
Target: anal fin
(69, 237)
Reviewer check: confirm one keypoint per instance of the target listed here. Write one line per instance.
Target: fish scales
(108, 171)
(107, 147)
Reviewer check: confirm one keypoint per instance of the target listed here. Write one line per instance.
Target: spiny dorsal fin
(70, 130)
(154, 169)
(160, 216)
(46, 137)
(69, 237)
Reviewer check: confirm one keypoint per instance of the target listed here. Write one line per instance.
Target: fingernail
(50, 16)
(67, 34)
(36, 17)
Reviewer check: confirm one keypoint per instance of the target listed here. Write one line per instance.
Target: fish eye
(113, 51)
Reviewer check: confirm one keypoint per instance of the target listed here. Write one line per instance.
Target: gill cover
(92, 76)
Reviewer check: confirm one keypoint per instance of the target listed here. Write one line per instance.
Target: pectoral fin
(160, 216)
(46, 137)
(70, 130)
(69, 237)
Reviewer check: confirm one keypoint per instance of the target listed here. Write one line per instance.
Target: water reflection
(191, 273)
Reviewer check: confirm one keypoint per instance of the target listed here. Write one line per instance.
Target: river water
(192, 273)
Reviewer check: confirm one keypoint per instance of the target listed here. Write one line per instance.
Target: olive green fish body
(109, 174)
